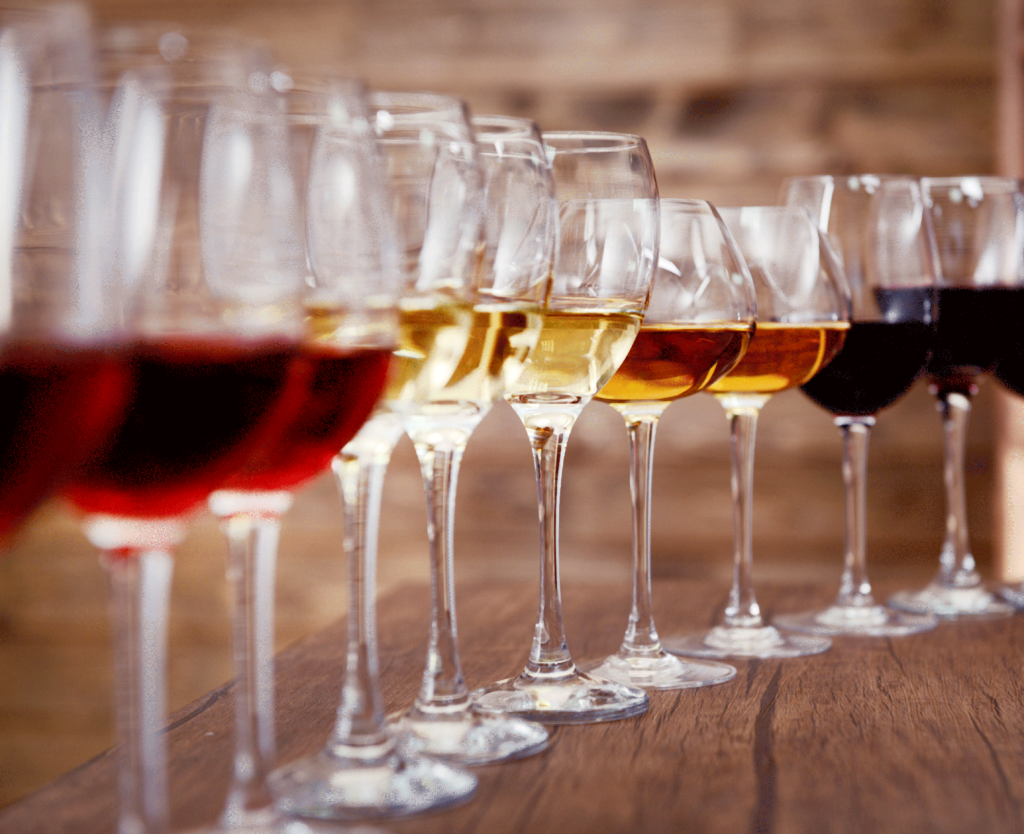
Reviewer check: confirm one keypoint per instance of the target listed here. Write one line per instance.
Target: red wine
(198, 412)
(878, 363)
(337, 392)
(60, 402)
(972, 325)
(1009, 368)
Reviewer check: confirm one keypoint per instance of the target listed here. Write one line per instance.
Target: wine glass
(63, 376)
(698, 324)
(604, 264)
(978, 224)
(339, 372)
(430, 163)
(201, 255)
(509, 294)
(803, 313)
(882, 231)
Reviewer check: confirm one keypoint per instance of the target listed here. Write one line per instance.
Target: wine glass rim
(414, 104)
(989, 182)
(504, 126)
(601, 140)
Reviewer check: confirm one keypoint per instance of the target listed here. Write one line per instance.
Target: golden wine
(782, 356)
(670, 361)
(501, 338)
(577, 352)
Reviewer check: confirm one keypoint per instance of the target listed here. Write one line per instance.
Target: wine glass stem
(440, 456)
(956, 562)
(549, 654)
(359, 471)
(252, 558)
(854, 587)
(641, 635)
(742, 610)
(139, 584)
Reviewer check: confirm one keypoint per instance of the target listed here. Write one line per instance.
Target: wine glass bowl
(697, 326)
(882, 231)
(803, 311)
(607, 202)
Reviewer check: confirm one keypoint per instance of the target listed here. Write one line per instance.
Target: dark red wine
(969, 338)
(198, 413)
(336, 394)
(878, 363)
(1009, 368)
(60, 402)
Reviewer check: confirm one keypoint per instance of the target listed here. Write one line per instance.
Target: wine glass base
(465, 737)
(263, 821)
(660, 671)
(951, 602)
(355, 787)
(758, 642)
(858, 621)
(1013, 594)
(574, 698)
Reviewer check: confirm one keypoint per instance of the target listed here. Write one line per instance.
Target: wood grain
(918, 734)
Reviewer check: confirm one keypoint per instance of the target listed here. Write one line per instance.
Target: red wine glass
(339, 372)
(63, 378)
(882, 232)
(430, 167)
(201, 257)
(977, 222)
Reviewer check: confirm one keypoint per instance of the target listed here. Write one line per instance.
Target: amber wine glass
(882, 231)
(431, 168)
(803, 313)
(607, 246)
(697, 327)
(508, 296)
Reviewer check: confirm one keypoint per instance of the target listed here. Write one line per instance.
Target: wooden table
(916, 734)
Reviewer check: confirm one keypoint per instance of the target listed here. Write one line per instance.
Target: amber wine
(669, 361)
(782, 356)
(501, 338)
(577, 352)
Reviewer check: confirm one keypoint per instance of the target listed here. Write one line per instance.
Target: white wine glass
(882, 231)
(803, 313)
(431, 170)
(697, 327)
(978, 223)
(607, 247)
(508, 297)
(200, 252)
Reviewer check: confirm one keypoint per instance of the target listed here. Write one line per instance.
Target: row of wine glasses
(288, 273)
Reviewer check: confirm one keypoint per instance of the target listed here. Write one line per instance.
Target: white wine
(577, 353)
(433, 334)
(501, 338)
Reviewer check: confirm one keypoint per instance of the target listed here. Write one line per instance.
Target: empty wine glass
(882, 231)
(698, 324)
(979, 231)
(607, 247)
(430, 163)
(201, 253)
(507, 301)
(63, 375)
(803, 312)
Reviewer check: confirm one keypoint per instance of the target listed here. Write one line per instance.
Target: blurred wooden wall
(733, 96)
